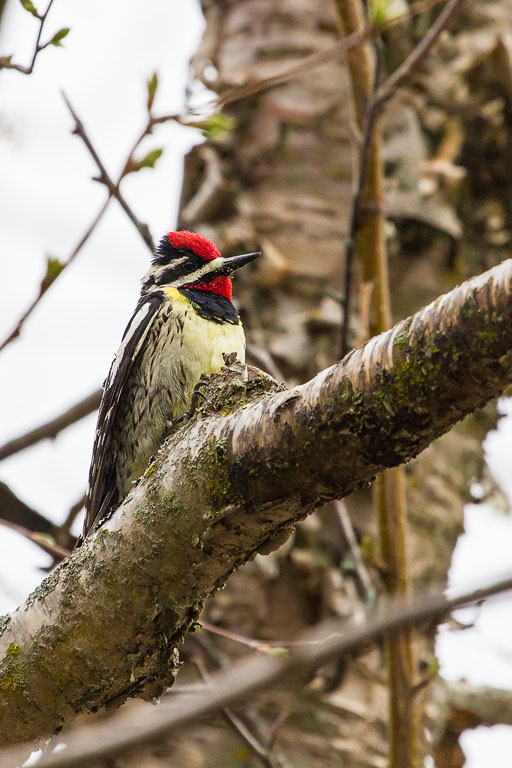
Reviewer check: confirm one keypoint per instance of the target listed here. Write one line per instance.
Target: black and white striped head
(188, 260)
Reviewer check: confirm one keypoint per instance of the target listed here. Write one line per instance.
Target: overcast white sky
(47, 201)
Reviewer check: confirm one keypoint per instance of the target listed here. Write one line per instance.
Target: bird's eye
(189, 264)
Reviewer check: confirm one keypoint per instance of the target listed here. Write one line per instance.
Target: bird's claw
(196, 396)
(194, 403)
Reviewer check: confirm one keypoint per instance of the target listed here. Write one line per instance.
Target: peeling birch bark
(232, 482)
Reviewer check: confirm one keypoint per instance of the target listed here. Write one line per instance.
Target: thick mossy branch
(106, 624)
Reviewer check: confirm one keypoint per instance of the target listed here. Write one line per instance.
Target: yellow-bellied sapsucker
(183, 325)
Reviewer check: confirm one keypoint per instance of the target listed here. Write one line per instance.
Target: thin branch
(248, 734)
(17, 515)
(51, 429)
(16, 511)
(42, 540)
(331, 640)
(367, 241)
(417, 56)
(474, 705)
(113, 191)
(45, 284)
(365, 152)
(364, 584)
(72, 514)
(262, 646)
(390, 503)
(5, 63)
(105, 178)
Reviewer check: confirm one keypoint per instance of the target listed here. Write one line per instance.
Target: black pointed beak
(235, 262)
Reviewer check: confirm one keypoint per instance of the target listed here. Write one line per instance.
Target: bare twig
(43, 540)
(263, 646)
(105, 178)
(17, 515)
(5, 62)
(17, 511)
(113, 191)
(52, 428)
(417, 56)
(363, 579)
(483, 705)
(331, 640)
(246, 733)
(47, 283)
(72, 514)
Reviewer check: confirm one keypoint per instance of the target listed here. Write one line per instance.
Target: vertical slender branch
(366, 241)
(391, 505)
(367, 200)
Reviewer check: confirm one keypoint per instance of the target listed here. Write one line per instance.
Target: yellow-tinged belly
(202, 344)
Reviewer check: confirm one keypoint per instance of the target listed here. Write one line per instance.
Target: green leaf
(43, 538)
(367, 547)
(53, 269)
(58, 36)
(278, 650)
(214, 127)
(147, 162)
(434, 667)
(152, 85)
(382, 12)
(30, 7)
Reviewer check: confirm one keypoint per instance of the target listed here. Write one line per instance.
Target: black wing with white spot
(102, 493)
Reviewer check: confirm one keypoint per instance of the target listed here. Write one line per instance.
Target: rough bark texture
(231, 483)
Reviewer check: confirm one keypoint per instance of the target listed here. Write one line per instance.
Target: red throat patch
(191, 241)
(220, 285)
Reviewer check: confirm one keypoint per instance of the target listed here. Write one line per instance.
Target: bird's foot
(197, 395)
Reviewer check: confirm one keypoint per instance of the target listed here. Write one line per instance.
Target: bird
(184, 325)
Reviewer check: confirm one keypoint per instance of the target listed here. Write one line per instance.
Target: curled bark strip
(106, 624)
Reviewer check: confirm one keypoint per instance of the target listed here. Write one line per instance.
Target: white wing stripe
(134, 324)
